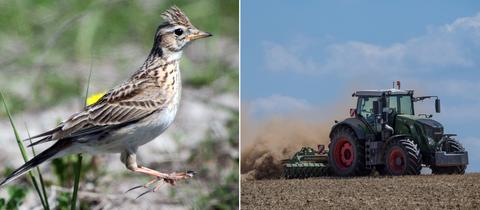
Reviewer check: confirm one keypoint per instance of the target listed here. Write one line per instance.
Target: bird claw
(144, 193)
(171, 179)
(143, 186)
(134, 188)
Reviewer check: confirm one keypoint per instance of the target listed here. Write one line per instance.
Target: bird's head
(176, 32)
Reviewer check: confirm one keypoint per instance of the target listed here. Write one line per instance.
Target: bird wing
(129, 102)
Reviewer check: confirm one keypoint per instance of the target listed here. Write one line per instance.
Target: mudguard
(357, 125)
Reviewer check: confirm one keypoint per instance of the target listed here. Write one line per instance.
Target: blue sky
(301, 56)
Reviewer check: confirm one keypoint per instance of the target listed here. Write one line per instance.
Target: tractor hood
(431, 128)
(429, 122)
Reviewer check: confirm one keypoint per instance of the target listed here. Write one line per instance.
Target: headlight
(430, 140)
(434, 134)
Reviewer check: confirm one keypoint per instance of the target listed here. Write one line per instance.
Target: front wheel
(402, 157)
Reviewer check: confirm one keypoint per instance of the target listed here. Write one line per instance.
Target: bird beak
(197, 34)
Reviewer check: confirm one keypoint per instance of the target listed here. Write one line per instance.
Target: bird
(130, 114)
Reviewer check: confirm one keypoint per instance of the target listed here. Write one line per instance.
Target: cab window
(401, 104)
(365, 108)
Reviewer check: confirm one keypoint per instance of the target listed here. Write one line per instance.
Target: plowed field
(409, 192)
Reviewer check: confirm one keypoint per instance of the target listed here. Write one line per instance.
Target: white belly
(134, 135)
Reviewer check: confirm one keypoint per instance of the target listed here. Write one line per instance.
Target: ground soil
(409, 192)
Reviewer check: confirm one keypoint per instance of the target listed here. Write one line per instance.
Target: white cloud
(277, 105)
(455, 45)
(459, 88)
(464, 23)
(281, 58)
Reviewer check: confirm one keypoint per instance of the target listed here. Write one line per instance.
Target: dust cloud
(266, 142)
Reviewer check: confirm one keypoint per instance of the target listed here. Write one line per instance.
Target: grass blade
(88, 84)
(40, 177)
(78, 168)
(22, 150)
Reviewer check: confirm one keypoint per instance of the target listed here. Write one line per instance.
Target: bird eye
(178, 31)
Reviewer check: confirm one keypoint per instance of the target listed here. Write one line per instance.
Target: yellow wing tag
(94, 98)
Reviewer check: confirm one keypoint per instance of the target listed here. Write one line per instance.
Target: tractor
(384, 133)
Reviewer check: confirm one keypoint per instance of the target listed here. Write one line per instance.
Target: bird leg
(130, 161)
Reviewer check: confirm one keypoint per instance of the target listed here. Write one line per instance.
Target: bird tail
(37, 160)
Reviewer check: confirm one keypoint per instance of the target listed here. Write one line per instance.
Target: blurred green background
(48, 47)
(39, 36)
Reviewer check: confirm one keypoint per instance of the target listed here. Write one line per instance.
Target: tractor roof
(382, 92)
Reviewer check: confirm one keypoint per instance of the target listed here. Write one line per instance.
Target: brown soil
(410, 192)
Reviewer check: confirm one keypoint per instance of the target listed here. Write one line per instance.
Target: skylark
(131, 114)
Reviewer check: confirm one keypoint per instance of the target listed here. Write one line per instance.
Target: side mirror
(437, 105)
(353, 112)
(376, 109)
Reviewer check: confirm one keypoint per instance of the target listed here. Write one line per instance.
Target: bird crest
(175, 16)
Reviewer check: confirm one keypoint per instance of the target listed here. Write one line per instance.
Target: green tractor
(384, 133)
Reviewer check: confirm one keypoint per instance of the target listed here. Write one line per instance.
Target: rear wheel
(450, 145)
(346, 155)
(402, 157)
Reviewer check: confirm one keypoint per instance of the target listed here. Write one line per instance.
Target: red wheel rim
(343, 153)
(396, 161)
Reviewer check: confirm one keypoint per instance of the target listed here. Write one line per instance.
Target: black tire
(402, 157)
(450, 145)
(350, 162)
(286, 172)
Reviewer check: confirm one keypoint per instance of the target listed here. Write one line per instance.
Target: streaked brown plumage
(132, 113)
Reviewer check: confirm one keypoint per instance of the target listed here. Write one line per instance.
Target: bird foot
(160, 180)
(174, 177)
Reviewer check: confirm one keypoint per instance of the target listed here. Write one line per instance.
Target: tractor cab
(381, 106)
(392, 111)
(384, 133)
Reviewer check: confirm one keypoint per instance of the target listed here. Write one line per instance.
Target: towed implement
(384, 134)
(307, 162)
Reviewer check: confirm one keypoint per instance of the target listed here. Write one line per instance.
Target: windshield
(401, 104)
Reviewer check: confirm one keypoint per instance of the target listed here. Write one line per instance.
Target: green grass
(76, 27)
(64, 200)
(60, 165)
(78, 166)
(233, 129)
(78, 170)
(40, 177)
(221, 194)
(43, 198)
(53, 88)
(16, 104)
(221, 197)
(16, 197)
